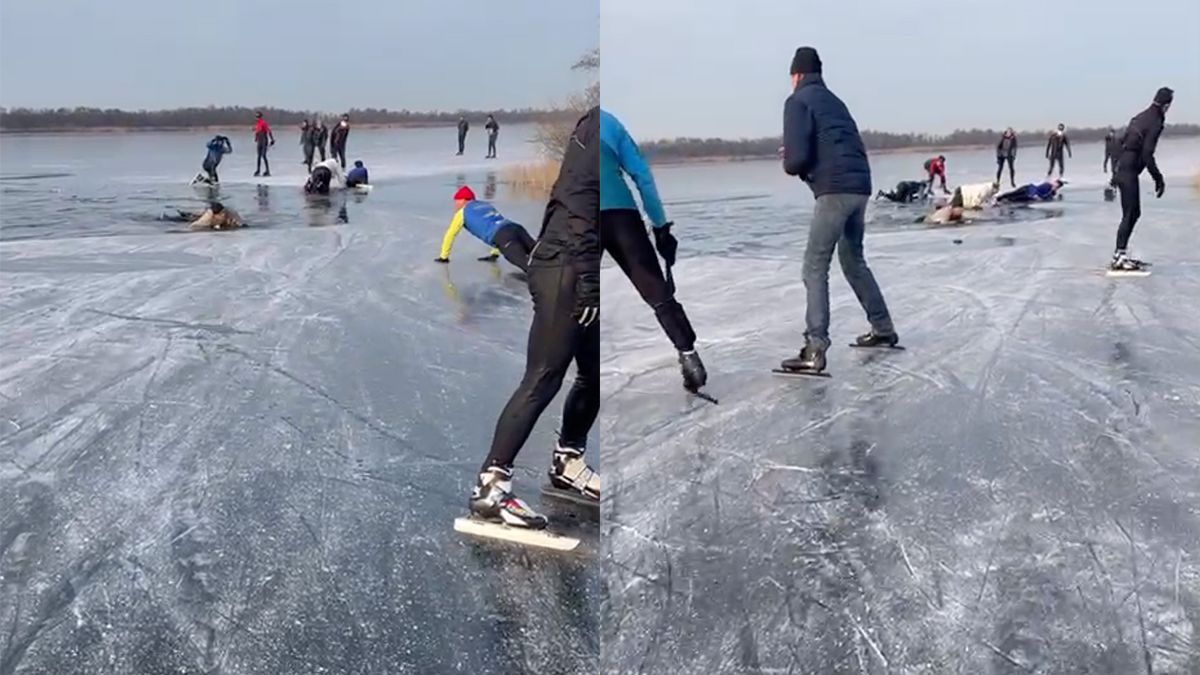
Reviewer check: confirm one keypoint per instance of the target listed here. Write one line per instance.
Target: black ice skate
(875, 340)
(810, 362)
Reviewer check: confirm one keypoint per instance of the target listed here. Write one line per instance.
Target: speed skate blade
(516, 535)
(569, 496)
(1126, 273)
(796, 374)
(897, 348)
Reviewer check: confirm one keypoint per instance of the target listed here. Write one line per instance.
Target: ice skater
(1112, 149)
(564, 279)
(337, 140)
(1032, 192)
(463, 127)
(263, 138)
(493, 130)
(325, 176)
(823, 147)
(907, 191)
(217, 148)
(482, 219)
(935, 168)
(1137, 153)
(1006, 152)
(623, 233)
(1055, 145)
(308, 143)
(358, 175)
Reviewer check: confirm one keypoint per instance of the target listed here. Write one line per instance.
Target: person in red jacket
(935, 167)
(263, 138)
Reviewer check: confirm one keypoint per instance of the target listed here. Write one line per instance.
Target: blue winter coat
(821, 143)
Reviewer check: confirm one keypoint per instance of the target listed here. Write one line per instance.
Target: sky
(719, 68)
(297, 54)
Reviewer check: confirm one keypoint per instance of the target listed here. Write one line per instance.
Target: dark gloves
(587, 297)
(488, 258)
(441, 260)
(1160, 186)
(666, 244)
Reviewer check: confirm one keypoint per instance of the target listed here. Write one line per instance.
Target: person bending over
(482, 219)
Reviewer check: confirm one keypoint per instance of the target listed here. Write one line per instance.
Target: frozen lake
(242, 452)
(1019, 491)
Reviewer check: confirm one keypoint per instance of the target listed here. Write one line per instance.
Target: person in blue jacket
(822, 146)
(623, 235)
(488, 225)
(218, 147)
(358, 175)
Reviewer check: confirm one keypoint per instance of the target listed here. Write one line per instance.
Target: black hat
(1164, 96)
(806, 60)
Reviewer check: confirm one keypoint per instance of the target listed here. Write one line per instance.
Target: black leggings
(624, 236)
(262, 158)
(210, 167)
(1012, 173)
(462, 141)
(514, 244)
(555, 339)
(339, 153)
(1059, 159)
(1131, 207)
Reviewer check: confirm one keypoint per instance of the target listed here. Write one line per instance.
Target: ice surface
(1019, 491)
(243, 452)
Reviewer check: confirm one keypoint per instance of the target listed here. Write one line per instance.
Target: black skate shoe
(492, 500)
(570, 474)
(811, 361)
(694, 374)
(877, 340)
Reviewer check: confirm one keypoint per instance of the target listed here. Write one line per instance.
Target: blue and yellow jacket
(481, 219)
(619, 153)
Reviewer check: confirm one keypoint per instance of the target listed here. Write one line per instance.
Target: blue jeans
(838, 223)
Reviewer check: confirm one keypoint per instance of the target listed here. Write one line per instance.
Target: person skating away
(337, 140)
(321, 137)
(623, 233)
(263, 139)
(1055, 145)
(1006, 152)
(217, 148)
(493, 130)
(463, 127)
(907, 191)
(358, 175)
(482, 219)
(935, 168)
(1032, 192)
(564, 280)
(1137, 154)
(325, 176)
(308, 132)
(823, 147)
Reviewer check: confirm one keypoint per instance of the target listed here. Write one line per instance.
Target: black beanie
(806, 61)
(1164, 96)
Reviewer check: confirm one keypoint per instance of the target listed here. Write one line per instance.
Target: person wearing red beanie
(484, 221)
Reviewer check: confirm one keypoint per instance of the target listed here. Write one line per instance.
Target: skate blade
(516, 535)
(569, 496)
(796, 374)
(1126, 273)
(896, 348)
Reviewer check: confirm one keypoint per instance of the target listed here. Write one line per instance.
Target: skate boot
(492, 500)
(694, 374)
(1123, 263)
(810, 360)
(571, 473)
(874, 339)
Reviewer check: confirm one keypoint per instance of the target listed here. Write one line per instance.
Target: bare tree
(552, 136)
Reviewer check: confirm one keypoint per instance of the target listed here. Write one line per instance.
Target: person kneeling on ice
(1032, 192)
(216, 217)
(324, 177)
(822, 146)
(358, 175)
(624, 237)
(218, 147)
(564, 279)
(906, 191)
(482, 219)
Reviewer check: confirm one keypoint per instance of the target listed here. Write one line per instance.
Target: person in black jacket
(320, 135)
(1054, 149)
(1112, 149)
(463, 127)
(822, 145)
(337, 140)
(493, 130)
(308, 136)
(1006, 151)
(564, 279)
(1137, 153)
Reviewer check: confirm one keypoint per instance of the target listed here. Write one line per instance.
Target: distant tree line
(1035, 141)
(25, 119)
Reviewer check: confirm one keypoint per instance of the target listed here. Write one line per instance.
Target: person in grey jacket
(1006, 151)
(822, 146)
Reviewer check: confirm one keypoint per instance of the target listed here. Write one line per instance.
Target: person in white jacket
(975, 195)
(325, 176)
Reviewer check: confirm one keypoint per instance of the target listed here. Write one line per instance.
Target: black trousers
(210, 167)
(1131, 206)
(1012, 172)
(514, 244)
(623, 235)
(1053, 159)
(555, 340)
(339, 153)
(262, 158)
(308, 156)
(491, 145)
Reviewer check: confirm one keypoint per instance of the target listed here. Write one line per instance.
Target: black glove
(666, 244)
(441, 260)
(587, 298)
(1160, 186)
(488, 258)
